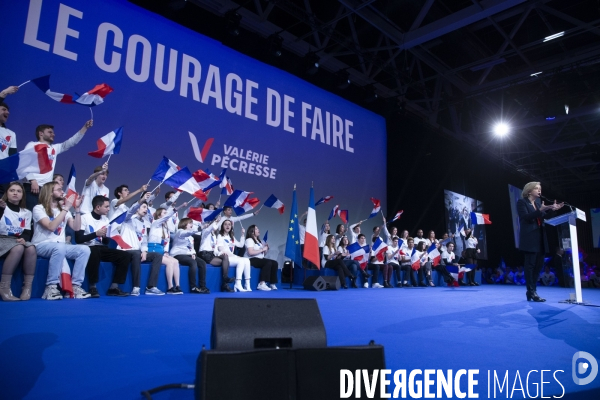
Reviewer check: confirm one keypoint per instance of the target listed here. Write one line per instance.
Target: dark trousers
(532, 265)
(375, 268)
(268, 269)
(409, 274)
(341, 269)
(425, 272)
(441, 269)
(194, 265)
(136, 266)
(31, 199)
(387, 272)
(120, 259)
(352, 265)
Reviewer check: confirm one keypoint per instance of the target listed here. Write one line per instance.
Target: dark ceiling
(459, 66)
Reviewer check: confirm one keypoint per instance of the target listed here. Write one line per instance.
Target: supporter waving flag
(376, 207)
(90, 98)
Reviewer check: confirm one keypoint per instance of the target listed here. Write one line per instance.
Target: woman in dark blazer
(532, 238)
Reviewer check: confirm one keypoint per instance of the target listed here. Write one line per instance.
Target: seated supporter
(520, 276)
(226, 243)
(352, 265)
(405, 264)
(255, 251)
(547, 277)
(206, 251)
(118, 205)
(93, 233)
(441, 267)
(15, 241)
(333, 259)
(134, 232)
(374, 264)
(425, 268)
(393, 255)
(498, 276)
(159, 238)
(509, 276)
(50, 218)
(182, 248)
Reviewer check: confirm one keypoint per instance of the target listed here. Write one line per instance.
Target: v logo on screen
(200, 155)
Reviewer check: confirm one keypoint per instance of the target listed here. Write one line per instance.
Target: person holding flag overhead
(94, 186)
(49, 220)
(255, 251)
(15, 241)
(471, 252)
(122, 196)
(45, 135)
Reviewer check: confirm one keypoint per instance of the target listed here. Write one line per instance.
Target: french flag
(65, 279)
(246, 205)
(90, 98)
(71, 192)
(358, 254)
(183, 180)
(323, 200)
(227, 186)
(108, 144)
(333, 212)
(480, 219)
(415, 260)
(398, 215)
(237, 198)
(202, 214)
(165, 169)
(274, 202)
(266, 236)
(343, 214)
(461, 228)
(434, 254)
(33, 160)
(205, 181)
(457, 271)
(113, 231)
(311, 241)
(379, 248)
(376, 207)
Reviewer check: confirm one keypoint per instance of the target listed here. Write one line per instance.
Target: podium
(571, 219)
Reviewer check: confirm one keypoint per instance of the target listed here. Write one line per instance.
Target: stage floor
(116, 347)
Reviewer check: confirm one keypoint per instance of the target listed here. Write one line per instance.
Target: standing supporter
(226, 242)
(159, 238)
(340, 231)
(325, 231)
(332, 259)
(471, 252)
(393, 255)
(182, 248)
(94, 186)
(122, 196)
(355, 231)
(255, 251)
(8, 139)
(15, 237)
(45, 135)
(93, 234)
(134, 232)
(208, 243)
(49, 220)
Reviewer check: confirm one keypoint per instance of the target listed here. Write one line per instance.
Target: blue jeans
(57, 253)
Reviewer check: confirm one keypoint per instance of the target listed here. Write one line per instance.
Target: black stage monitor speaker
(319, 283)
(247, 324)
(292, 374)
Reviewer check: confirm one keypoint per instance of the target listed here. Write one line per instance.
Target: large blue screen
(271, 129)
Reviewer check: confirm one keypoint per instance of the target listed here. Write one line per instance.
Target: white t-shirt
(90, 192)
(114, 211)
(14, 223)
(41, 234)
(393, 259)
(53, 151)
(448, 256)
(226, 246)
(326, 253)
(90, 225)
(182, 243)
(8, 140)
(250, 244)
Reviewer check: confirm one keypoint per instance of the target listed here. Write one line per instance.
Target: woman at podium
(532, 239)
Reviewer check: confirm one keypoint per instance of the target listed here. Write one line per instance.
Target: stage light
(232, 22)
(343, 80)
(567, 109)
(551, 37)
(311, 61)
(275, 45)
(501, 129)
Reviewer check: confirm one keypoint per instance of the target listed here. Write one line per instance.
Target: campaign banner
(181, 95)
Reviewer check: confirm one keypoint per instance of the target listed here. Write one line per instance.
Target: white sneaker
(52, 293)
(263, 286)
(135, 291)
(154, 291)
(377, 286)
(80, 293)
(366, 285)
(273, 286)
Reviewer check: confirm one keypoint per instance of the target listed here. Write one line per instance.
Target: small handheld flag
(480, 219)
(358, 254)
(108, 144)
(71, 191)
(376, 207)
(183, 180)
(246, 205)
(333, 212)
(434, 254)
(65, 279)
(113, 231)
(379, 248)
(273, 202)
(266, 236)
(203, 215)
(90, 98)
(323, 200)
(165, 169)
(343, 214)
(398, 215)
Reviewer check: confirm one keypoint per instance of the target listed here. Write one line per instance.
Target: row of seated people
(141, 236)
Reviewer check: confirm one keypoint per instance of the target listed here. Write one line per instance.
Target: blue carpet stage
(115, 347)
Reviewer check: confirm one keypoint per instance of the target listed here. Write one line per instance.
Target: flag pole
(149, 180)
(260, 208)
(91, 113)
(24, 83)
(109, 156)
